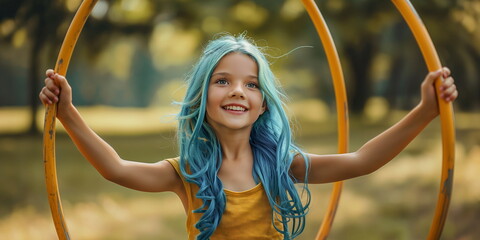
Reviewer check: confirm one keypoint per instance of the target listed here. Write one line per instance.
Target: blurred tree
(359, 24)
(39, 18)
(455, 30)
(369, 28)
(45, 22)
(378, 53)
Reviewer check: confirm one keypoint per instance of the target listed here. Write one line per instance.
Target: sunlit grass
(105, 217)
(103, 119)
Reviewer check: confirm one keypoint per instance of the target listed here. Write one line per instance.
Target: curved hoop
(446, 115)
(50, 118)
(341, 104)
(61, 67)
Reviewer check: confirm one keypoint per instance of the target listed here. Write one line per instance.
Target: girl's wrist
(429, 111)
(66, 113)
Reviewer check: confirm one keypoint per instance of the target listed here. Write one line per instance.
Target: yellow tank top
(247, 215)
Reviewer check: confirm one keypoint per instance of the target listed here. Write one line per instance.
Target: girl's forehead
(237, 63)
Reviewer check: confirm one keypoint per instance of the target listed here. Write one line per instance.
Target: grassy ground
(396, 202)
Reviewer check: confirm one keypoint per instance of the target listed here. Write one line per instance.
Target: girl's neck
(235, 145)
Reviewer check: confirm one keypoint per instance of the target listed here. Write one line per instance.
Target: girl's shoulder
(175, 162)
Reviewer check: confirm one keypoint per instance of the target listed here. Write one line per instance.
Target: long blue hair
(270, 139)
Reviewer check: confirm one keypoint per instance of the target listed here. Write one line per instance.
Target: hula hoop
(61, 68)
(446, 115)
(50, 118)
(341, 105)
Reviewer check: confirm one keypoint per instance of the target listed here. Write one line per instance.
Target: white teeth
(234, 108)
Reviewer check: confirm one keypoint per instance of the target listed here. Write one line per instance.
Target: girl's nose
(237, 91)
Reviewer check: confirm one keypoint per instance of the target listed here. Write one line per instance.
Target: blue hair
(270, 139)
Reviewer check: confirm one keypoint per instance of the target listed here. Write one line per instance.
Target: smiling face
(234, 100)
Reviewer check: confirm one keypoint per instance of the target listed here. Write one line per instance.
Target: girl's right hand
(56, 90)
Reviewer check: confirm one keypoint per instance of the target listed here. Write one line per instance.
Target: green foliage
(377, 50)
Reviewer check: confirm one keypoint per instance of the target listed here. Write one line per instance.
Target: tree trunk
(34, 77)
(360, 57)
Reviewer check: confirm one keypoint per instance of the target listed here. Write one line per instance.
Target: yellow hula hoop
(50, 118)
(61, 68)
(446, 112)
(446, 116)
(341, 105)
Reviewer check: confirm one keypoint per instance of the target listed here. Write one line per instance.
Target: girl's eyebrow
(221, 74)
(228, 74)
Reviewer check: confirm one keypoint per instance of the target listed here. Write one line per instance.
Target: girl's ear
(264, 107)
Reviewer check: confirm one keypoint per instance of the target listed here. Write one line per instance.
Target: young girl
(237, 166)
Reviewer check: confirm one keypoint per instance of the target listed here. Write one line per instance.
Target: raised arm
(384, 147)
(150, 177)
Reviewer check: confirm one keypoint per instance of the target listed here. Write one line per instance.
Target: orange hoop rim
(432, 60)
(341, 106)
(61, 67)
(49, 160)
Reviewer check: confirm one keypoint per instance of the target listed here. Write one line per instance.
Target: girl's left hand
(448, 90)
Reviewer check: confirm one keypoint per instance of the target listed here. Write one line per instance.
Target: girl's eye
(221, 81)
(252, 85)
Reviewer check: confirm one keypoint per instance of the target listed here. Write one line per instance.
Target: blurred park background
(129, 66)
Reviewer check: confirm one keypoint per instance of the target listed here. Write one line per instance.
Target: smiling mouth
(235, 108)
